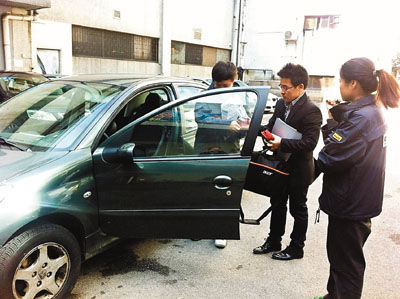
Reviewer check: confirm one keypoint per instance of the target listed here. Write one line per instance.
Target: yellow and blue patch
(337, 137)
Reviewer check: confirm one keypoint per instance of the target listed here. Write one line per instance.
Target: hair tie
(374, 73)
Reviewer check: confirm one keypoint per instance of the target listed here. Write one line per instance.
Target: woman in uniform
(353, 163)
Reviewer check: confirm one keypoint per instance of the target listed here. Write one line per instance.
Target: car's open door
(179, 171)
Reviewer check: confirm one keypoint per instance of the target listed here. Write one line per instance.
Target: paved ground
(187, 269)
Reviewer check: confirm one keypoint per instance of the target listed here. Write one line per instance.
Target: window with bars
(194, 54)
(183, 53)
(321, 22)
(93, 42)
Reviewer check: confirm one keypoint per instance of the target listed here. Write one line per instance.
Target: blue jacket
(353, 161)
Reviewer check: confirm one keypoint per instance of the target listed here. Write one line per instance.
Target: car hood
(13, 163)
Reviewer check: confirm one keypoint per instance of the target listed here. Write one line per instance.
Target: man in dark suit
(298, 111)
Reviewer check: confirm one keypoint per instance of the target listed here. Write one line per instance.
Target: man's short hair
(224, 71)
(296, 73)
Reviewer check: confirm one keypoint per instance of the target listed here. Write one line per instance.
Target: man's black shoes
(289, 253)
(266, 248)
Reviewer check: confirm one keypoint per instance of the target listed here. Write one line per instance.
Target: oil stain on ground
(123, 261)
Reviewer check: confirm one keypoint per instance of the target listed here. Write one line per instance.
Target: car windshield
(15, 83)
(39, 117)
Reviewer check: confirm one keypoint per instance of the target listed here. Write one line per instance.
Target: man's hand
(274, 144)
(234, 126)
(244, 123)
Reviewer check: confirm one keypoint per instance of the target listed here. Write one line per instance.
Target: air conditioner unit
(290, 35)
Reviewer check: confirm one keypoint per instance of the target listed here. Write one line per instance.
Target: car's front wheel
(42, 262)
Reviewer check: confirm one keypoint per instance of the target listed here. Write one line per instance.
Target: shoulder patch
(337, 137)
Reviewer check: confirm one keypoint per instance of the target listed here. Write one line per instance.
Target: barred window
(86, 41)
(177, 52)
(194, 54)
(111, 44)
(118, 45)
(321, 22)
(183, 53)
(144, 48)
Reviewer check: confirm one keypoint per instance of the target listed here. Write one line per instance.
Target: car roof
(126, 79)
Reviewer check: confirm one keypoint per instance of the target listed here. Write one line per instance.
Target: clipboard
(283, 130)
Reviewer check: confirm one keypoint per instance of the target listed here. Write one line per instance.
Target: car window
(138, 106)
(187, 91)
(38, 117)
(199, 127)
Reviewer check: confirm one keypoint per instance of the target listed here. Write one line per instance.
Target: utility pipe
(6, 34)
(235, 31)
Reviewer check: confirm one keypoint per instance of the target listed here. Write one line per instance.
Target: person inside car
(219, 125)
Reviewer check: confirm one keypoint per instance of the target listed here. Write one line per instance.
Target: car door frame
(197, 230)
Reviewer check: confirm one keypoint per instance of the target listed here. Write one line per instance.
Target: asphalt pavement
(197, 269)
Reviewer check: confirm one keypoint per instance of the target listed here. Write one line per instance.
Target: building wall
(20, 40)
(53, 36)
(164, 19)
(22, 51)
(213, 19)
(136, 16)
(85, 65)
(194, 71)
(361, 32)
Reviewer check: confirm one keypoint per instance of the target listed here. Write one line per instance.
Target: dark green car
(86, 160)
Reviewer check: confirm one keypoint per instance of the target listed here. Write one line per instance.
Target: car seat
(152, 101)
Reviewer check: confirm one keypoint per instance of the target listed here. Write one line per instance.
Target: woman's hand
(330, 104)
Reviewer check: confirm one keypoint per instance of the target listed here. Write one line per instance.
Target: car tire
(44, 259)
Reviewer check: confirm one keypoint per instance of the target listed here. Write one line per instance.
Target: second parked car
(12, 83)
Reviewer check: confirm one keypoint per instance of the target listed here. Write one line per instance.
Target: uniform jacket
(353, 161)
(306, 118)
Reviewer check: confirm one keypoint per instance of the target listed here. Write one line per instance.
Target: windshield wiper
(6, 142)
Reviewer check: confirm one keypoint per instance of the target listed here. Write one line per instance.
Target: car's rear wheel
(42, 262)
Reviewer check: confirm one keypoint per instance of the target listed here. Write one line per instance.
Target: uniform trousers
(345, 242)
(297, 197)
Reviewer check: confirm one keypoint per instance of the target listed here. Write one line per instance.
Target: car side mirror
(124, 153)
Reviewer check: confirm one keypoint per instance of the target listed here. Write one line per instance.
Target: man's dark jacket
(353, 161)
(306, 118)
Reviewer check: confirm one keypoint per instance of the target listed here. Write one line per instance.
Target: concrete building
(321, 35)
(186, 38)
(170, 37)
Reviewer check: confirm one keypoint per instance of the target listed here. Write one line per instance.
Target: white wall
(53, 36)
(214, 19)
(137, 16)
(367, 28)
(84, 65)
(195, 71)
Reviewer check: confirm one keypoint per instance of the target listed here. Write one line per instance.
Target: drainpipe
(235, 31)
(6, 34)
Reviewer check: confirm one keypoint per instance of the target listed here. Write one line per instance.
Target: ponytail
(363, 70)
(388, 92)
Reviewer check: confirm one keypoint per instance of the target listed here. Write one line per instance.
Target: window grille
(194, 54)
(111, 44)
(183, 53)
(118, 45)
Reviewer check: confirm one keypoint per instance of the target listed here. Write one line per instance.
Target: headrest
(153, 101)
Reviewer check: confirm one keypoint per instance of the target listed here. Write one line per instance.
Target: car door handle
(222, 182)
